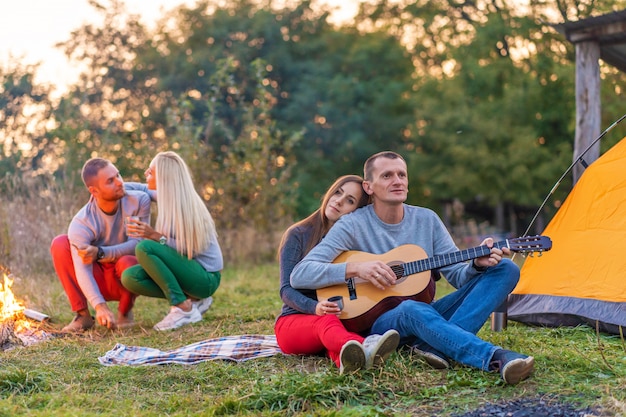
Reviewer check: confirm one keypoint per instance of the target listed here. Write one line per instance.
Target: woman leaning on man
(308, 326)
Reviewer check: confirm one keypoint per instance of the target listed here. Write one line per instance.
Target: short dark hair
(368, 167)
(91, 169)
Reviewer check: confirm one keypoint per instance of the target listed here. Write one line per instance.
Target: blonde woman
(180, 259)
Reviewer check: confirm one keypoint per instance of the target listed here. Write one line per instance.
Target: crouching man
(90, 259)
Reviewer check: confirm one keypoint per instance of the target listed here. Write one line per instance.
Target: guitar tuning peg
(540, 254)
(531, 254)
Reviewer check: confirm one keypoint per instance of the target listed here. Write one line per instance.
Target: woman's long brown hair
(318, 220)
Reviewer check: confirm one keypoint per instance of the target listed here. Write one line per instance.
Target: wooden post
(587, 104)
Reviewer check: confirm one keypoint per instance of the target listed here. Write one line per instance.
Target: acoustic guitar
(363, 302)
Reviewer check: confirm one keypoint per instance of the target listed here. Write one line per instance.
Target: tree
(128, 106)
(25, 114)
(104, 113)
(246, 181)
(352, 98)
(493, 104)
(477, 95)
(346, 91)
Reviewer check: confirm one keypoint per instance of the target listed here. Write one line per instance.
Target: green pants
(164, 273)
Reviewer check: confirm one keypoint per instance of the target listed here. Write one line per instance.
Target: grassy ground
(62, 376)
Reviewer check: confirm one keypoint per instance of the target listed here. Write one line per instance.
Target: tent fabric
(582, 279)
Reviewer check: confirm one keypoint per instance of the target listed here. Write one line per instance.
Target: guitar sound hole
(398, 270)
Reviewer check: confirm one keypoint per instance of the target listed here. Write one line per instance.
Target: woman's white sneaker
(351, 357)
(177, 317)
(203, 304)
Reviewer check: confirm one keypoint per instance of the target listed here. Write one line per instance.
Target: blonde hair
(181, 212)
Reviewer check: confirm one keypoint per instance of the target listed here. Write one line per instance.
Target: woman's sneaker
(177, 317)
(203, 305)
(351, 357)
(378, 347)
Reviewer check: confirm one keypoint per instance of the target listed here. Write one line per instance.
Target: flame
(10, 307)
(12, 310)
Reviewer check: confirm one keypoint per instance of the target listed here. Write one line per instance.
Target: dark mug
(337, 299)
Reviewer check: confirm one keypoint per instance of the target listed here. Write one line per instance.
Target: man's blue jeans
(448, 326)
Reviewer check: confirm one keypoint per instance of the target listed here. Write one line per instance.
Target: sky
(29, 29)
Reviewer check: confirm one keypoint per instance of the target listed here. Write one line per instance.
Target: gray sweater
(363, 231)
(292, 252)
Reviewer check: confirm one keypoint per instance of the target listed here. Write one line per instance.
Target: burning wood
(8, 339)
(15, 327)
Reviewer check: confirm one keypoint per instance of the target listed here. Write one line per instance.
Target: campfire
(19, 326)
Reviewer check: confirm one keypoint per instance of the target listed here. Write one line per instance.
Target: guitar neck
(440, 261)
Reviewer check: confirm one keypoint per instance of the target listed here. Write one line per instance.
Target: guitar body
(359, 313)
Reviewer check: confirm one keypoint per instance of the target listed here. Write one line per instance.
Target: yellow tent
(582, 280)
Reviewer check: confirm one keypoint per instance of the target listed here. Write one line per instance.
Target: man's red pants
(107, 276)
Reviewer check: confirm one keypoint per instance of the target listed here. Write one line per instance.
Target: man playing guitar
(439, 331)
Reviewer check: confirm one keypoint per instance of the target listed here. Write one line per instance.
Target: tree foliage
(26, 112)
(494, 105)
(268, 105)
(245, 180)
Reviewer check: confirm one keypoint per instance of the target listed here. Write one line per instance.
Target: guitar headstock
(530, 244)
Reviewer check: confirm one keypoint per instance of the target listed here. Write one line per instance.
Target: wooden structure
(601, 37)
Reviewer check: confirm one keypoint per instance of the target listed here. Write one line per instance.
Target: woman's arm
(291, 253)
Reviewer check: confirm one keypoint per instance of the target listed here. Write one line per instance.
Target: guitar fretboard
(439, 261)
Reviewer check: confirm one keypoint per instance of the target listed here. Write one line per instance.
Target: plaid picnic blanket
(233, 348)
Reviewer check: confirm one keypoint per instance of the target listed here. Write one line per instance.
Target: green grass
(62, 376)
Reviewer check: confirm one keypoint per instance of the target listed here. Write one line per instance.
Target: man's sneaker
(378, 347)
(124, 322)
(431, 357)
(203, 305)
(351, 357)
(79, 323)
(177, 317)
(513, 366)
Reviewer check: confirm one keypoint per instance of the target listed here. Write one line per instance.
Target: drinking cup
(130, 221)
(337, 299)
